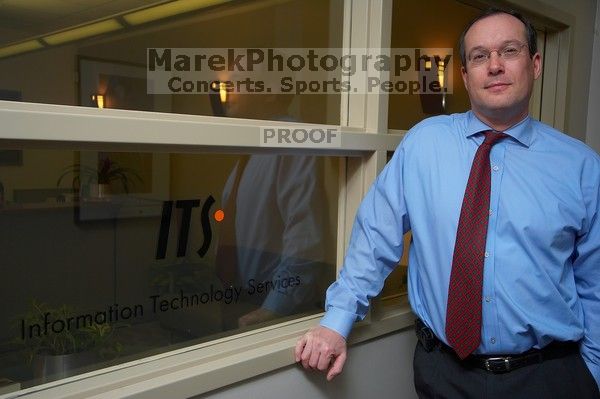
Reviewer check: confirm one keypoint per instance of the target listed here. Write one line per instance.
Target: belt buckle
(504, 360)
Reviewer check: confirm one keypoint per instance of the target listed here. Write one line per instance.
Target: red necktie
(226, 261)
(463, 314)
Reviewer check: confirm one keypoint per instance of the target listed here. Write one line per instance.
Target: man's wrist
(339, 321)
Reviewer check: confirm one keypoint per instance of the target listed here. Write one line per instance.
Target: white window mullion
(367, 28)
(369, 33)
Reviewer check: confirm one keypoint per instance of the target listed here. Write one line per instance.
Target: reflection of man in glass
(279, 224)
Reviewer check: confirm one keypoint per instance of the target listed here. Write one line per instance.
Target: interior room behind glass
(42, 45)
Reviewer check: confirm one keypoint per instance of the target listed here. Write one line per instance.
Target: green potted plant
(58, 355)
(97, 181)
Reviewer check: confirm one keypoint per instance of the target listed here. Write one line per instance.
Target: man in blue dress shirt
(540, 306)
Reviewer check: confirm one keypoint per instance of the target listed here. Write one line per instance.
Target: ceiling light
(168, 10)
(20, 48)
(82, 32)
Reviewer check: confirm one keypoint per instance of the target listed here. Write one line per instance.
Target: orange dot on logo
(219, 215)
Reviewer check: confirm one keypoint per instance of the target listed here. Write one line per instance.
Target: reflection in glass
(92, 279)
(273, 234)
(279, 237)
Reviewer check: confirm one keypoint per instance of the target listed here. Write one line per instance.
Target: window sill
(206, 367)
(88, 128)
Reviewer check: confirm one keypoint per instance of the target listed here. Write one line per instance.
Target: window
(68, 52)
(113, 256)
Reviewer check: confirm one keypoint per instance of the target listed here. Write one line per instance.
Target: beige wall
(378, 369)
(593, 117)
(581, 14)
(40, 170)
(45, 76)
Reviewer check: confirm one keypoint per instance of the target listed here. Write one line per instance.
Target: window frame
(196, 368)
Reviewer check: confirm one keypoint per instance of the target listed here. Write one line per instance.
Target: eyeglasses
(508, 52)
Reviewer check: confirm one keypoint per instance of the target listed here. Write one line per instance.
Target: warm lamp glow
(221, 88)
(441, 68)
(98, 99)
(222, 93)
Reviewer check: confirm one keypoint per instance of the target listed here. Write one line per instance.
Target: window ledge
(86, 128)
(206, 367)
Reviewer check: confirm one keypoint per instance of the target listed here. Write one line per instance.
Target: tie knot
(492, 137)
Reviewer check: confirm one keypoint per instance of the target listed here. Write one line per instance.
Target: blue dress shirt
(542, 261)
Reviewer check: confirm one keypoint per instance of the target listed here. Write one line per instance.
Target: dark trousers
(440, 374)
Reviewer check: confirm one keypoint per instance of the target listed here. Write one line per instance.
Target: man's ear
(537, 65)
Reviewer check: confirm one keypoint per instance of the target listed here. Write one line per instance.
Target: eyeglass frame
(500, 52)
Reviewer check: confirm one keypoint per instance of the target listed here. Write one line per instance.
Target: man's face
(500, 89)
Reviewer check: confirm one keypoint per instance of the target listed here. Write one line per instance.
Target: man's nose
(495, 63)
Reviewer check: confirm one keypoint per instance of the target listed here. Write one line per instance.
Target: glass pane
(112, 256)
(94, 53)
(445, 20)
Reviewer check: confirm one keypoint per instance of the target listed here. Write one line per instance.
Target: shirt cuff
(339, 321)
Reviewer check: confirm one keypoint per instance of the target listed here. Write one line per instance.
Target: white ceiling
(22, 19)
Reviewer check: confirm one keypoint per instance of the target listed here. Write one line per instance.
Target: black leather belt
(497, 363)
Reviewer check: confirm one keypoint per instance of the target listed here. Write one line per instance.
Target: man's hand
(322, 349)
(256, 316)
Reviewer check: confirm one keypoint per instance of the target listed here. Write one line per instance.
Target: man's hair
(529, 31)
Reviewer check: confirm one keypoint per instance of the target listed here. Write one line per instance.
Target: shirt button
(487, 254)
(488, 299)
(495, 168)
(493, 340)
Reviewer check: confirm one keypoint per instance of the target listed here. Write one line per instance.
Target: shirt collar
(520, 131)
